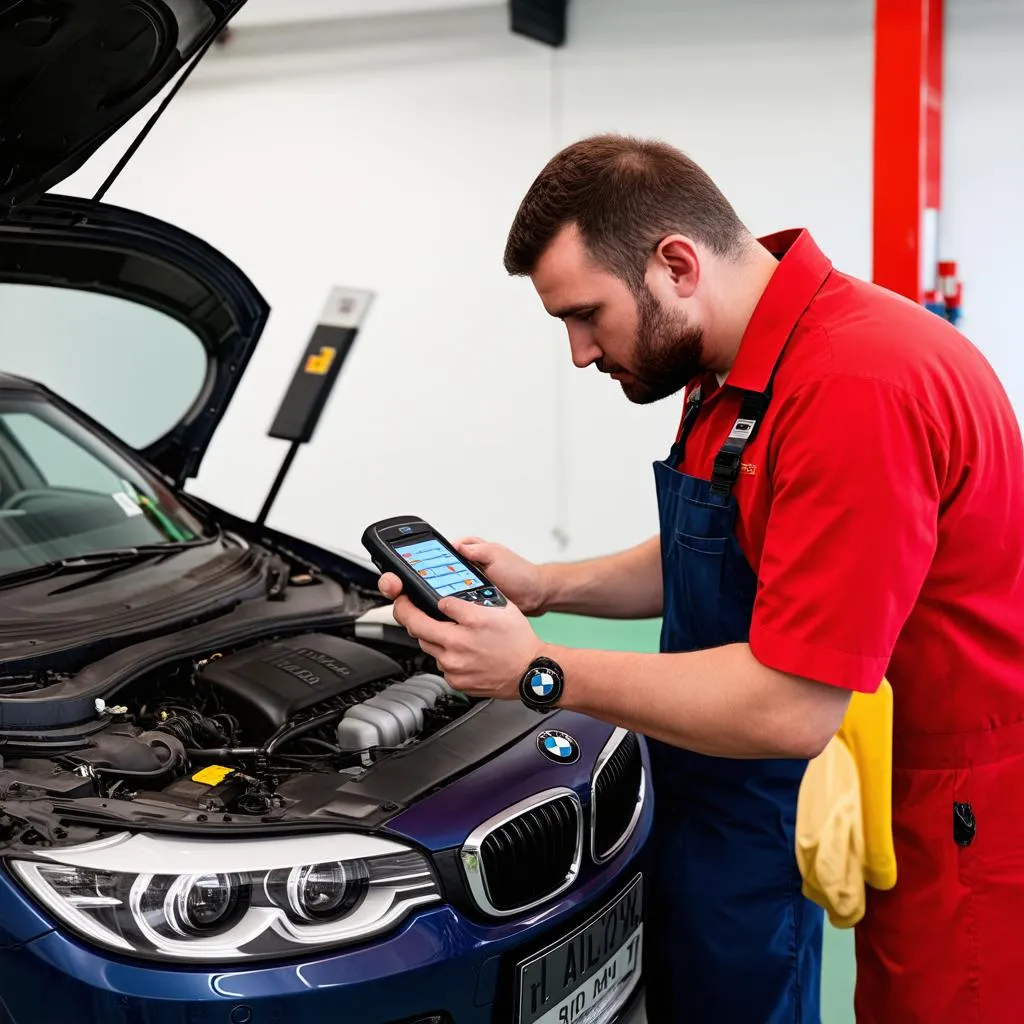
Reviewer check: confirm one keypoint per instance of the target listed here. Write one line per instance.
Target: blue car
(232, 790)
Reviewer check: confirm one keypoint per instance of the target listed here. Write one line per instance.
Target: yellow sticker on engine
(212, 775)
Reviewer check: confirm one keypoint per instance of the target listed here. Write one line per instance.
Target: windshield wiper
(110, 558)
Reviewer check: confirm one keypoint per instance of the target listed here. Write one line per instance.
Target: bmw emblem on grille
(559, 747)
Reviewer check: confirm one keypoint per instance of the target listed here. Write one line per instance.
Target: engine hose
(184, 724)
(128, 773)
(213, 752)
(154, 773)
(283, 736)
(180, 728)
(324, 745)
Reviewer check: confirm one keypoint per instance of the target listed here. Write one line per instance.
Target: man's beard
(669, 353)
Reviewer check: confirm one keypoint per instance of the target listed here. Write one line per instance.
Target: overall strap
(727, 464)
(693, 400)
(753, 406)
(754, 403)
(726, 469)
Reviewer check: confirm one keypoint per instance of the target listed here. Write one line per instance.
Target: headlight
(236, 899)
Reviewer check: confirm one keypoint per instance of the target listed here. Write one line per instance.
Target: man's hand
(482, 652)
(521, 581)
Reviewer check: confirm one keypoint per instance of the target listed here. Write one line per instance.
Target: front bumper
(444, 965)
(438, 963)
(634, 1012)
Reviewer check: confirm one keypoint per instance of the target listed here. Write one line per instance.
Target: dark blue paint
(20, 921)
(437, 960)
(446, 818)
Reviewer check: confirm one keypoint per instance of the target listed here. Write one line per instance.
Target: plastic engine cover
(279, 679)
(392, 717)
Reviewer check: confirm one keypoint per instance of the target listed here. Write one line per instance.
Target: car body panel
(426, 972)
(444, 819)
(448, 958)
(437, 961)
(21, 920)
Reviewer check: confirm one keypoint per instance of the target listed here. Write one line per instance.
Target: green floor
(838, 966)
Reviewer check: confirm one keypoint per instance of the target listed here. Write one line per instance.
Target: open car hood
(72, 72)
(92, 247)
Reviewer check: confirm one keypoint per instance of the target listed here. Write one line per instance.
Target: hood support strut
(147, 128)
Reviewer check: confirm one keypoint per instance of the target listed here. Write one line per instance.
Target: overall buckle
(725, 473)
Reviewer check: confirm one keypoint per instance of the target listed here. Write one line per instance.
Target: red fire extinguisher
(950, 289)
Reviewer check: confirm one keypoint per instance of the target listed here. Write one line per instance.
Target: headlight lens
(322, 891)
(229, 900)
(194, 904)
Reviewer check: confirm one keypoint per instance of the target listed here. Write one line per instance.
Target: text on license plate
(586, 975)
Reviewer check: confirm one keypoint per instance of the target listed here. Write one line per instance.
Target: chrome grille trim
(606, 754)
(472, 862)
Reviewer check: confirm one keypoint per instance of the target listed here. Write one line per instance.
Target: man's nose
(583, 348)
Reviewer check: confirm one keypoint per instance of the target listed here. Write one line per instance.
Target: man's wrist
(557, 654)
(552, 586)
(552, 652)
(578, 666)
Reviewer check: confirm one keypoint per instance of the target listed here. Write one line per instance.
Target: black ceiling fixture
(542, 20)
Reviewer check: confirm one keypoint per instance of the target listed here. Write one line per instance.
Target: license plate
(587, 976)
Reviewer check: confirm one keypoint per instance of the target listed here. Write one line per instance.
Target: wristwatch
(542, 684)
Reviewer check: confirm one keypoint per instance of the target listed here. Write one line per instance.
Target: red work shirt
(881, 503)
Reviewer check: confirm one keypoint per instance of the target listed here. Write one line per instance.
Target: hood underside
(72, 72)
(82, 245)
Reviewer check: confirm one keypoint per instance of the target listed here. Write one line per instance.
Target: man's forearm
(626, 585)
(722, 701)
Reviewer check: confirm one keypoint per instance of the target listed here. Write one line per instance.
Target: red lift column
(907, 145)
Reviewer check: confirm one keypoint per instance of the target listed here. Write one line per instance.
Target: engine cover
(393, 716)
(280, 679)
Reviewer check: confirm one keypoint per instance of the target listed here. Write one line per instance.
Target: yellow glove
(844, 812)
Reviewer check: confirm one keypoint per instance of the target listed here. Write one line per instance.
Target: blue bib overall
(731, 939)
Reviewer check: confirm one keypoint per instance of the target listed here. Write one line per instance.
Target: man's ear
(676, 257)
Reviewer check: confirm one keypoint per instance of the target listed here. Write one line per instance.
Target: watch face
(541, 684)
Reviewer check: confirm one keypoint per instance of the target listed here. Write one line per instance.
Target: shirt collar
(802, 270)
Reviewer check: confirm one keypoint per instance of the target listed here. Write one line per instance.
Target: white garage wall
(285, 12)
(774, 100)
(391, 153)
(385, 160)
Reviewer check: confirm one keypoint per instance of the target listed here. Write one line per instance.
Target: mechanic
(842, 503)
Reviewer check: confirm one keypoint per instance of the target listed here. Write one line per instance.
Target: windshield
(65, 493)
(95, 350)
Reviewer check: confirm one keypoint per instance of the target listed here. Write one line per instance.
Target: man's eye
(586, 315)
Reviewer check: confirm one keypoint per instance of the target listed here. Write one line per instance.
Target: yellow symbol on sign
(320, 362)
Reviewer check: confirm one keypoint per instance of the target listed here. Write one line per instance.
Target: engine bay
(248, 731)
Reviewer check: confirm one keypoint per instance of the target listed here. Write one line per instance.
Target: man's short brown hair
(624, 195)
